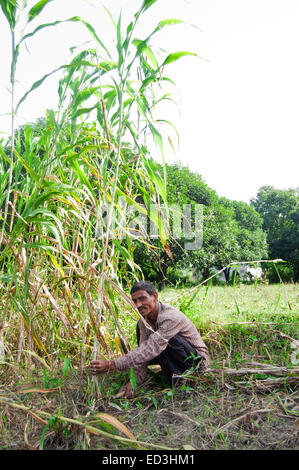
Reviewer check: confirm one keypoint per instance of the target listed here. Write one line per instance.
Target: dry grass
(209, 413)
(248, 400)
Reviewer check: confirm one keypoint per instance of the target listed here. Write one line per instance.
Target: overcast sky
(239, 120)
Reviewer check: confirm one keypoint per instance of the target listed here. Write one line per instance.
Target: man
(166, 337)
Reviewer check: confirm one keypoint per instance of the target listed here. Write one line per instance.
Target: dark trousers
(178, 357)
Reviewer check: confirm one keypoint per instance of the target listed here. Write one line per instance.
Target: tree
(183, 188)
(232, 231)
(250, 237)
(280, 211)
(220, 246)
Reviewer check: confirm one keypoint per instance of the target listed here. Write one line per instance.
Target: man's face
(146, 304)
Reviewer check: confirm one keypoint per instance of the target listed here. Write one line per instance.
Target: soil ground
(210, 412)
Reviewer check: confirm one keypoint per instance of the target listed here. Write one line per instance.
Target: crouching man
(167, 337)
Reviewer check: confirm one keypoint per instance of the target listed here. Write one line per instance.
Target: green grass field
(241, 316)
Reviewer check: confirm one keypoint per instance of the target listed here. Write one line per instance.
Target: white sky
(239, 122)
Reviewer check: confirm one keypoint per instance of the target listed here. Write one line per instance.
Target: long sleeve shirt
(154, 339)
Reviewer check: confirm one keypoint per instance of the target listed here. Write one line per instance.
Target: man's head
(145, 297)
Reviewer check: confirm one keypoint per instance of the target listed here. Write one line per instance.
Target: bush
(285, 271)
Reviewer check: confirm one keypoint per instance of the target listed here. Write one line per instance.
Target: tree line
(233, 231)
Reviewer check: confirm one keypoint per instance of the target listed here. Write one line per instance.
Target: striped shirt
(154, 339)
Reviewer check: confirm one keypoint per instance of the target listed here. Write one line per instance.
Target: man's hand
(126, 391)
(101, 366)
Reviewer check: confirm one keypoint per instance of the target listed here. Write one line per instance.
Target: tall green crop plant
(126, 96)
(88, 156)
(9, 9)
(12, 10)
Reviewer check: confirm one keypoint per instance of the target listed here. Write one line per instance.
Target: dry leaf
(120, 394)
(42, 361)
(30, 447)
(114, 422)
(37, 390)
(168, 251)
(188, 447)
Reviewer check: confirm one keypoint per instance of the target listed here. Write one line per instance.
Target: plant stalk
(12, 80)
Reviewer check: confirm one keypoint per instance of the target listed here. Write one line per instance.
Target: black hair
(144, 285)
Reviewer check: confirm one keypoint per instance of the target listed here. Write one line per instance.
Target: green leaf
(66, 366)
(37, 84)
(170, 124)
(81, 175)
(84, 95)
(92, 31)
(110, 16)
(177, 55)
(126, 42)
(109, 98)
(131, 201)
(81, 111)
(127, 256)
(106, 66)
(37, 8)
(32, 173)
(42, 26)
(143, 48)
(50, 423)
(169, 22)
(73, 19)
(133, 379)
(155, 177)
(119, 43)
(9, 8)
(157, 137)
(147, 4)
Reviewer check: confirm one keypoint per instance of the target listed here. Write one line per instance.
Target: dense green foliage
(232, 232)
(280, 213)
